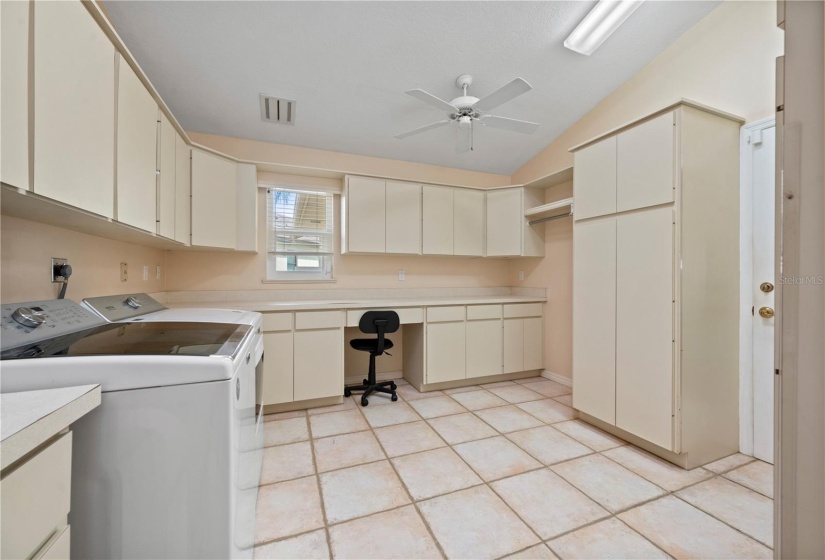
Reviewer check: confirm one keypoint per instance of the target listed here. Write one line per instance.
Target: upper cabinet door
(74, 108)
(137, 156)
(183, 192)
(403, 223)
(214, 201)
(247, 207)
(14, 93)
(646, 164)
(594, 179)
(468, 222)
(366, 212)
(167, 189)
(437, 220)
(505, 220)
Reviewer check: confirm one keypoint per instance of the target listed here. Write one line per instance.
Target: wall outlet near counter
(157, 272)
(145, 272)
(521, 275)
(124, 272)
(402, 275)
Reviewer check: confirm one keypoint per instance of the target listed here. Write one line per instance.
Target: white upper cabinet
(468, 222)
(167, 180)
(214, 201)
(505, 217)
(74, 108)
(403, 218)
(437, 220)
(137, 144)
(183, 201)
(594, 179)
(247, 215)
(14, 93)
(646, 168)
(366, 215)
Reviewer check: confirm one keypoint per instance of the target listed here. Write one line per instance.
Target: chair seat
(369, 344)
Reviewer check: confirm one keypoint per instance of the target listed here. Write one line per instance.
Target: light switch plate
(145, 272)
(402, 275)
(157, 272)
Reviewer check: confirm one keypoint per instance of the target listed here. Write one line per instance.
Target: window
(300, 239)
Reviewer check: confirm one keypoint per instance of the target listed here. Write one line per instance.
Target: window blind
(300, 222)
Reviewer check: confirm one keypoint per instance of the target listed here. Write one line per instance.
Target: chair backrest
(371, 321)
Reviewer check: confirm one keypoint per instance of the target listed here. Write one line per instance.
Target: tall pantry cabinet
(656, 283)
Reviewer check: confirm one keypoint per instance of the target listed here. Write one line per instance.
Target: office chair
(380, 322)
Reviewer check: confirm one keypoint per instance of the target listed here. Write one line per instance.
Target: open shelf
(558, 209)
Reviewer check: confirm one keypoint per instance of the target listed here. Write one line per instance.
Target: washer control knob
(28, 317)
(133, 302)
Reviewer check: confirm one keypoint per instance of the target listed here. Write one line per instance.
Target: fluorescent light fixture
(599, 24)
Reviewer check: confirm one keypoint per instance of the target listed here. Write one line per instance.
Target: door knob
(766, 312)
(766, 287)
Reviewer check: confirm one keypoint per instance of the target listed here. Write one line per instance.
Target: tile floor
(494, 471)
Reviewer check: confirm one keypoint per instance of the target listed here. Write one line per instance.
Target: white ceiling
(348, 64)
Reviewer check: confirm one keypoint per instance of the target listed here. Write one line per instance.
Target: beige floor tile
(311, 546)
(346, 450)
(347, 404)
(437, 406)
(538, 552)
(549, 388)
(508, 418)
(548, 445)
(361, 490)
(566, 400)
(288, 508)
(290, 430)
(460, 428)
(529, 379)
(611, 485)
(496, 458)
(476, 400)
(286, 462)
(748, 511)
(403, 439)
(498, 384)
(656, 470)
(683, 531)
(516, 393)
(606, 540)
(475, 523)
(729, 463)
(458, 390)
(398, 413)
(401, 381)
(591, 436)
(410, 393)
(284, 415)
(549, 411)
(399, 533)
(435, 472)
(547, 503)
(756, 476)
(335, 423)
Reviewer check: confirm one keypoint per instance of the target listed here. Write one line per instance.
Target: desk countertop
(30, 418)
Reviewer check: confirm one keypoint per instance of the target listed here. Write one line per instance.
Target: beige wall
(725, 61)
(27, 248)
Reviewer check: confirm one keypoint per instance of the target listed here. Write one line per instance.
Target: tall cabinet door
(74, 108)
(645, 169)
(214, 201)
(505, 219)
(14, 93)
(167, 194)
(594, 318)
(437, 220)
(366, 200)
(183, 190)
(644, 325)
(403, 218)
(468, 222)
(594, 179)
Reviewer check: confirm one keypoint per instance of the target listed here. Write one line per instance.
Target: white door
(763, 271)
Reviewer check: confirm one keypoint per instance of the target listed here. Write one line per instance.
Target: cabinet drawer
(318, 320)
(513, 310)
(36, 499)
(475, 312)
(277, 322)
(442, 314)
(405, 315)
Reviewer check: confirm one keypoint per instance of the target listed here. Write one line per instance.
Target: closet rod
(542, 220)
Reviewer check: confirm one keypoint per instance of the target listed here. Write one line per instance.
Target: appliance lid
(122, 307)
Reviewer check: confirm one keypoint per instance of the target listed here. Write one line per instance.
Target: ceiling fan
(467, 110)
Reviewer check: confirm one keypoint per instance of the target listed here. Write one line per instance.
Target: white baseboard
(384, 376)
(558, 378)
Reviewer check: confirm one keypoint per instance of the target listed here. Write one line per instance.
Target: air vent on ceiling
(276, 109)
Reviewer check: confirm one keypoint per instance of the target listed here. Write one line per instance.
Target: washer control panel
(123, 307)
(30, 322)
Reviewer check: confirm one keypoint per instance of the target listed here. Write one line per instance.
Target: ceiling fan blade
(502, 95)
(431, 99)
(464, 140)
(422, 129)
(525, 127)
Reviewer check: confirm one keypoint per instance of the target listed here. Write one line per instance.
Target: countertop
(30, 418)
(332, 304)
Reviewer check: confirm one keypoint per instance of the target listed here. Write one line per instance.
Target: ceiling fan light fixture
(599, 24)
(465, 122)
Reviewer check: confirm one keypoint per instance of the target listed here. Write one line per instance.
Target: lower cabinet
(446, 352)
(278, 367)
(523, 337)
(318, 364)
(484, 340)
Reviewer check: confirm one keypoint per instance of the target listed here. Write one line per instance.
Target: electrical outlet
(124, 272)
(157, 272)
(145, 272)
(402, 275)
(57, 264)
(521, 275)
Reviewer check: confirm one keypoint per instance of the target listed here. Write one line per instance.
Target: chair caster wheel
(393, 386)
(366, 382)
(394, 397)
(364, 402)
(347, 393)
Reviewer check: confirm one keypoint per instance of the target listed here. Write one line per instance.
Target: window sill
(305, 281)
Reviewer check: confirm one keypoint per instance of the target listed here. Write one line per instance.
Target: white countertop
(30, 418)
(332, 304)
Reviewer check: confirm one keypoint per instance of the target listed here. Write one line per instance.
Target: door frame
(746, 281)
